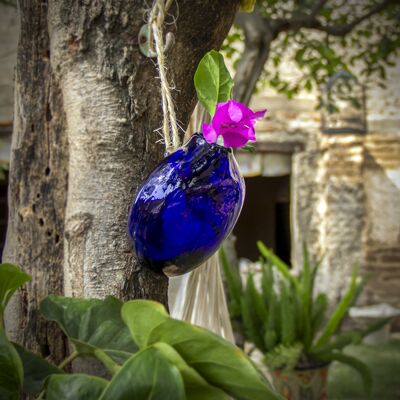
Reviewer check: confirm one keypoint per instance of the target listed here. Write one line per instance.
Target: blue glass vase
(186, 207)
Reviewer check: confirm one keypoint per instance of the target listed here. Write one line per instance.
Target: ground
(384, 363)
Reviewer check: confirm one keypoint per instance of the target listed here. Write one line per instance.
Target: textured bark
(37, 184)
(87, 106)
(258, 37)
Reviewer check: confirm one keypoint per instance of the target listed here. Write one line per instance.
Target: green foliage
(148, 354)
(212, 81)
(284, 319)
(282, 356)
(11, 372)
(146, 375)
(36, 370)
(219, 362)
(339, 313)
(320, 39)
(90, 323)
(75, 386)
(11, 278)
(235, 285)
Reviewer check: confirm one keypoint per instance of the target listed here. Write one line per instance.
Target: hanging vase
(186, 207)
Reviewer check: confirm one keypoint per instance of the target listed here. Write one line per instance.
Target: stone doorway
(265, 216)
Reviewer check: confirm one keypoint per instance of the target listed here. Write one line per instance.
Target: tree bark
(258, 38)
(87, 106)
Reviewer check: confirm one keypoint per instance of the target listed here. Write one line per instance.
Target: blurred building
(336, 189)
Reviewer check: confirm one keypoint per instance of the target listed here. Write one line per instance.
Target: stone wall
(381, 236)
(345, 190)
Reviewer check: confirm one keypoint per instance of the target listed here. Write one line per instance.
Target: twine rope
(170, 126)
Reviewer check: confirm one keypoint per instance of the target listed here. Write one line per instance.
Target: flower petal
(233, 139)
(209, 133)
(235, 111)
(221, 115)
(259, 114)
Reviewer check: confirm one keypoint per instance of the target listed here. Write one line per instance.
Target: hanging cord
(170, 126)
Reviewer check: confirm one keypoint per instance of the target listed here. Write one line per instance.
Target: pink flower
(235, 122)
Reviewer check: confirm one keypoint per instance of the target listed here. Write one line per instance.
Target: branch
(317, 7)
(343, 30)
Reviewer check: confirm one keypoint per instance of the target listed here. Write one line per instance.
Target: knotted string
(199, 296)
(170, 126)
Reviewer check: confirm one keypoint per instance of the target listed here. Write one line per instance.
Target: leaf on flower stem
(212, 81)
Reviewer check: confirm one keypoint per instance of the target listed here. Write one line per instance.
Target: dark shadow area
(265, 216)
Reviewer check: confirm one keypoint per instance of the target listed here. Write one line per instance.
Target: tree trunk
(258, 37)
(87, 106)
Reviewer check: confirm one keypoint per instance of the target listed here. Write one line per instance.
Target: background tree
(87, 104)
(321, 36)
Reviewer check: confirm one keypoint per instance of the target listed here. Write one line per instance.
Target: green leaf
(306, 291)
(11, 373)
(318, 312)
(75, 387)
(340, 341)
(267, 281)
(285, 357)
(36, 370)
(141, 317)
(358, 365)
(146, 375)
(234, 285)
(219, 362)
(249, 324)
(257, 310)
(282, 267)
(339, 313)
(273, 321)
(257, 300)
(253, 314)
(90, 323)
(270, 339)
(196, 387)
(11, 278)
(288, 327)
(212, 81)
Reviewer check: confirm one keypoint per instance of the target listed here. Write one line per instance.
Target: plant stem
(62, 365)
(112, 366)
(69, 359)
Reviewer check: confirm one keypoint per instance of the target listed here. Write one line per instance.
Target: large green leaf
(11, 373)
(141, 317)
(196, 387)
(147, 375)
(36, 370)
(219, 362)
(75, 387)
(90, 323)
(11, 278)
(212, 81)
